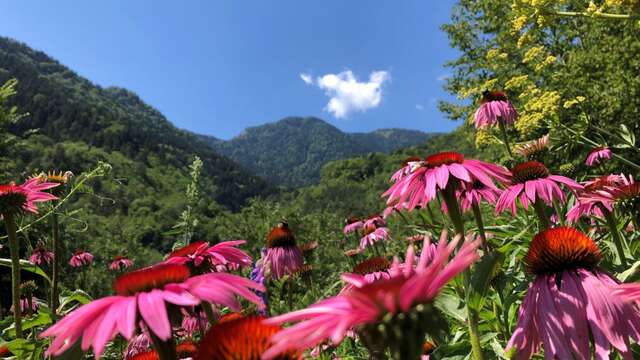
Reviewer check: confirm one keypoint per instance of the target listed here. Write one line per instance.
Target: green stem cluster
(55, 277)
(615, 235)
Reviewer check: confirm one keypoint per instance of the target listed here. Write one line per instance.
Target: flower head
(598, 155)
(472, 194)
(570, 303)
(243, 338)
(596, 196)
(533, 149)
(146, 295)
(436, 173)
(532, 181)
(27, 304)
(41, 255)
(204, 258)
(372, 270)
(352, 224)
(283, 256)
(81, 258)
(16, 199)
(373, 236)
(494, 106)
(410, 289)
(120, 263)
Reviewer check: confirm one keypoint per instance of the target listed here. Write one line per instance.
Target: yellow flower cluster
(573, 102)
(538, 105)
(485, 138)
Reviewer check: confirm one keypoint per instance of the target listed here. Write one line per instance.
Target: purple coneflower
(532, 183)
(352, 224)
(142, 297)
(41, 255)
(472, 194)
(372, 235)
(402, 302)
(436, 173)
(16, 199)
(570, 304)
(120, 263)
(81, 258)
(371, 270)
(202, 257)
(283, 256)
(27, 305)
(598, 155)
(494, 106)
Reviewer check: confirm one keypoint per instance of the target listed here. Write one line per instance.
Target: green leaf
(78, 296)
(41, 318)
(451, 305)
(27, 266)
(483, 273)
(630, 273)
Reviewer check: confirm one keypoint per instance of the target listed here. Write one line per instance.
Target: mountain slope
(78, 124)
(292, 151)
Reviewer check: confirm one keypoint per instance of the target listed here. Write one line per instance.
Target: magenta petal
(154, 313)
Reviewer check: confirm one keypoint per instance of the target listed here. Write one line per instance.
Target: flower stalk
(14, 248)
(505, 136)
(539, 208)
(618, 241)
(55, 277)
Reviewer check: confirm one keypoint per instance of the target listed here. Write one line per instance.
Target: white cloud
(443, 77)
(347, 94)
(306, 78)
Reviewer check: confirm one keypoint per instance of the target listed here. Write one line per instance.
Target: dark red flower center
(190, 249)
(628, 192)
(245, 338)
(351, 220)
(147, 355)
(559, 249)
(149, 278)
(428, 347)
(186, 349)
(281, 236)
(12, 198)
(600, 183)
(444, 158)
(493, 96)
(530, 170)
(4, 351)
(369, 266)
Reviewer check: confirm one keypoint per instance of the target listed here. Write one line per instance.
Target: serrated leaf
(26, 266)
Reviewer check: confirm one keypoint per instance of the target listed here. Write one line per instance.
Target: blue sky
(217, 67)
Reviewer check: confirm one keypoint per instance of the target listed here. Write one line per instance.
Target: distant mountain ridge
(292, 151)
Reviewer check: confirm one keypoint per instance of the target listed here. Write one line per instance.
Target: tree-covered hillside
(292, 151)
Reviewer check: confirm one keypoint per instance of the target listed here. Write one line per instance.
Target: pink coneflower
(598, 155)
(185, 351)
(353, 252)
(41, 255)
(137, 345)
(408, 166)
(143, 295)
(309, 247)
(436, 173)
(120, 263)
(532, 149)
(283, 256)
(27, 305)
(372, 237)
(596, 197)
(194, 321)
(494, 106)
(352, 224)
(245, 338)
(203, 258)
(472, 194)
(81, 258)
(16, 199)
(570, 302)
(531, 181)
(371, 270)
(410, 290)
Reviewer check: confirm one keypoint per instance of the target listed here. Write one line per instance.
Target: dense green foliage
(292, 151)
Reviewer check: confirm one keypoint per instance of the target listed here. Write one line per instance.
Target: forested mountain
(73, 124)
(292, 151)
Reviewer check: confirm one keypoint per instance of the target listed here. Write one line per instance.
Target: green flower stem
(453, 210)
(556, 207)
(539, 207)
(505, 136)
(477, 214)
(55, 283)
(166, 349)
(14, 248)
(610, 217)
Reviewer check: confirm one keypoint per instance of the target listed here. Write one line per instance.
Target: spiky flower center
(244, 338)
(281, 236)
(428, 347)
(527, 171)
(190, 249)
(629, 192)
(186, 349)
(369, 266)
(444, 158)
(493, 96)
(12, 198)
(149, 278)
(147, 355)
(600, 183)
(559, 249)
